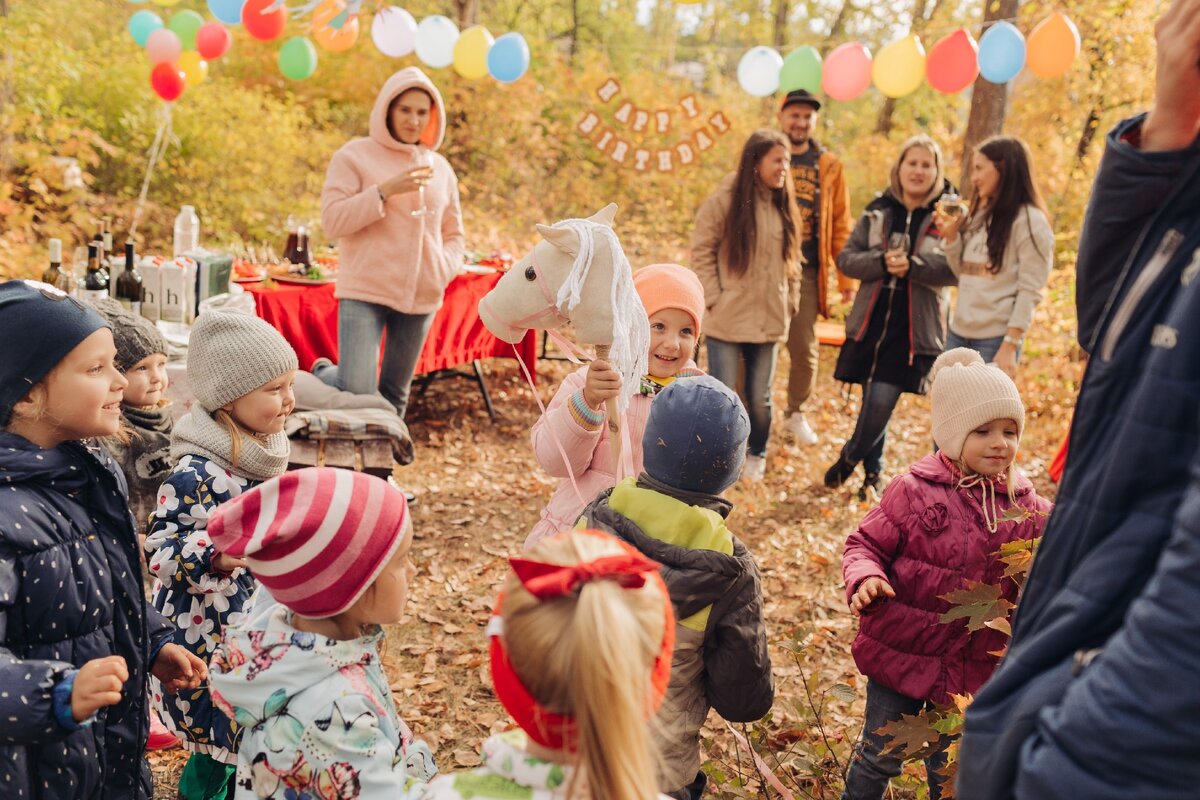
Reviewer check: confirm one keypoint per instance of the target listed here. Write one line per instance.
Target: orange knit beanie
(670, 286)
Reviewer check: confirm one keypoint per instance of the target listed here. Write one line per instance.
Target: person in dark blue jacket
(1099, 695)
(76, 634)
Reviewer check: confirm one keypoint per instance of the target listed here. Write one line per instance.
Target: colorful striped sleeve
(586, 417)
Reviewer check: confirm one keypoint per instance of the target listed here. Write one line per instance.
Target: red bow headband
(546, 581)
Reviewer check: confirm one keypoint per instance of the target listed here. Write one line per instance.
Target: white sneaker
(754, 468)
(798, 426)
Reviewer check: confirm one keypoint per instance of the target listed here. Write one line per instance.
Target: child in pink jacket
(937, 529)
(575, 418)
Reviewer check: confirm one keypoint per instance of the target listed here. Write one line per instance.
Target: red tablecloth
(307, 316)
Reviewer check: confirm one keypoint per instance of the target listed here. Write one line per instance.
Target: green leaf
(977, 604)
(844, 692)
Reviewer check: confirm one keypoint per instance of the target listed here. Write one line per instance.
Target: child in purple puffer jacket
(937, 529)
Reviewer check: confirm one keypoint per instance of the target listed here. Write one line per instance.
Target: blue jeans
(360, 328)
(985, 347)
(870, 430)
(723, 358)
(870, 770)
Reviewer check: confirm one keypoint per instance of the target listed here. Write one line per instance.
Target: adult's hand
(1006, 359)
(407, 181)
(948, 226)
(1174, 122)
(897, 263)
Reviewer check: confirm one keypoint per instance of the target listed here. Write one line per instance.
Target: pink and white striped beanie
(316, 538)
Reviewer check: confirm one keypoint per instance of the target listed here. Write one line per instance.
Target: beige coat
(757, 307)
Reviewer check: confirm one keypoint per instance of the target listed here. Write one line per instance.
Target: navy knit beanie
(39, 326)
(695, 439)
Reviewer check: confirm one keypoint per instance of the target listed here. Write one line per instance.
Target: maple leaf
(978, 604)
(911, 736)
(1017, 556)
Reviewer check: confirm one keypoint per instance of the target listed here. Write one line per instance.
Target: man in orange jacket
(824, 202)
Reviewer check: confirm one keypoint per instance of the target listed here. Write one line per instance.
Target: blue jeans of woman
(985, 347)
(870, 430)
(723, 358)
(871, 768)
(360, 328)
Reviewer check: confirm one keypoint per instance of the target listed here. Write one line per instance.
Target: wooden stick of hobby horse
(614, 421)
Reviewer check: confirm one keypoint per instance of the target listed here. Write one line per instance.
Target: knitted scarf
(146, 459)
(198, 434)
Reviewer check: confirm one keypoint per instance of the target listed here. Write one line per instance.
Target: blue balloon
(508, 58)
(142, 24)
(227, 11)
(1001, 53)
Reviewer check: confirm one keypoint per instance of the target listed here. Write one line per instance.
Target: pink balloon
(847, 71)
(163, 47)
(212, 40)
(953, 62)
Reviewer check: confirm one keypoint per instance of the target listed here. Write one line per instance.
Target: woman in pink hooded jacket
(938, 529)
(392, 202)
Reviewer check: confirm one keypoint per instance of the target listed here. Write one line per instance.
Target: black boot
(839, 473)
(871, 484)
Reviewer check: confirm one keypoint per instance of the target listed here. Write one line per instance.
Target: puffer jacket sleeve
(858, 259)
(737, 666)
(569, 428)
(177, 542)
(708, 233)
(871, 549)
(1141, 688)
(348, 206)
(930, 267)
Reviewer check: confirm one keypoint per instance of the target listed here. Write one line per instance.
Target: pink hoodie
(388, 256)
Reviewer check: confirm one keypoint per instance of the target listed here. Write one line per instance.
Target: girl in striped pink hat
(301, 675)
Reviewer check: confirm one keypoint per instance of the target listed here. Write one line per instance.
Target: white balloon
(758, 71)
(394, 31)
(436, 36)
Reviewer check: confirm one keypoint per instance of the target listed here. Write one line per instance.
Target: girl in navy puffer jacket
(938, 529)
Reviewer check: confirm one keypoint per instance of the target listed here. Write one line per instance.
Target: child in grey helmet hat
(241, 371)
(692, 451)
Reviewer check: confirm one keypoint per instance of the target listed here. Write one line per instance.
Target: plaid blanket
(359, 424)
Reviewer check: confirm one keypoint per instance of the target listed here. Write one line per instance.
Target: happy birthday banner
(636, 119)
(952, 64)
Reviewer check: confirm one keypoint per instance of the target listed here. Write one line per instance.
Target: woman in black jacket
(897, 325)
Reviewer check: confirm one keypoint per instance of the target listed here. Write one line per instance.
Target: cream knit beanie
(231, 354)
(967, 393)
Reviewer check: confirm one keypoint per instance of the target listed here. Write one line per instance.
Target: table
(307, 316)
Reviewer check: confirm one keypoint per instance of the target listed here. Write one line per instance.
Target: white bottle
(187, 231)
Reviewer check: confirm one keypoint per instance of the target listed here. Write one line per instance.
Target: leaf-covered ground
(480, 492)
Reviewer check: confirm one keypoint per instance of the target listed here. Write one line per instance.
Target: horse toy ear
(564, 239)
(606, 215)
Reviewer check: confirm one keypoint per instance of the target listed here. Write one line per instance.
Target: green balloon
(801, 70)
(186, 24)
(298, 58)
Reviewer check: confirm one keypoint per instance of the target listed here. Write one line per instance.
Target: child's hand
(602, 383)
(178, 668)
(223, 562)
(869, 591)
(97, 684)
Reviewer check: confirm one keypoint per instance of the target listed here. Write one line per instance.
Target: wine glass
(897, 243)
(422, 161)
(951, 206)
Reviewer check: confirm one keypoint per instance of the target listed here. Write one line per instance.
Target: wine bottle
(54, 274)
(130, 289)
(95, 283)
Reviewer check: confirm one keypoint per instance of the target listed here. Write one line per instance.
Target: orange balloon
(335, 40)
(1052, 46)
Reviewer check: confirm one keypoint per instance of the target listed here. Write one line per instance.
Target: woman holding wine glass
(1002, 257)
(896, 327)
(392, 203)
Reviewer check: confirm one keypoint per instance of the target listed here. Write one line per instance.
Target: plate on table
(248, 278)
(302, 280)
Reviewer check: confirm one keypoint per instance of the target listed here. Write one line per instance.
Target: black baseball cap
(801, 96)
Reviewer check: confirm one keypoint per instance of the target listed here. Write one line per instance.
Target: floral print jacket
(200, 601)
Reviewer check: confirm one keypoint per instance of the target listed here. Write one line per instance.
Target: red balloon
(167, 81)
(213, 40)
(953, 62)
(263, 24)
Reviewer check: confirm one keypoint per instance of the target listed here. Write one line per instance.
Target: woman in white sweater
(1002, 257)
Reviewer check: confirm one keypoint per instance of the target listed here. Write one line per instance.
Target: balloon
(162, 46)
(1053, 46)
(213, 40)
(394, 31)
(471, 52)
(801, 70)
(436, 37)
(847, 72)
(142, 24)
(953, 62)
(194, 68)
(509, 58)
(333, 27)
(167, 81)
(758, 71)
(186, 24)
(1001, 53)
(900, 67)
(297, 58)
(262, 24)
(227, 11)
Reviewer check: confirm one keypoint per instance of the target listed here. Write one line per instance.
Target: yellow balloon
(471, 52)
(195, 69)
(1052, 46)
(165, 2)
(899, 67)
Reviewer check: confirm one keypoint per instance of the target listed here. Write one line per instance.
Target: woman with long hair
(746, 251)
(896, 327)
(1004, 255)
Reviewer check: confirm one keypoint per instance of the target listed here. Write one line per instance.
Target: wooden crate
(373, 456)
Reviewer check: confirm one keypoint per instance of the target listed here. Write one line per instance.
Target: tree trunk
(467, 12)
(782, 11)
(574, 32)
(839, 25)
(921, 17)
(989, 101)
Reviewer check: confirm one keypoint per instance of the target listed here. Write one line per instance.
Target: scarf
(198, 434)
(145, 459)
